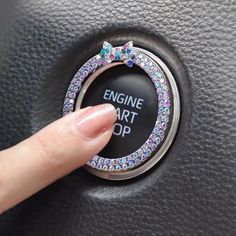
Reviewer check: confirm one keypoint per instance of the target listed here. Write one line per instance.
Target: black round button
(134, 97)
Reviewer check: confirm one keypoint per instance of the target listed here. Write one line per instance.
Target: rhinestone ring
(168, 108)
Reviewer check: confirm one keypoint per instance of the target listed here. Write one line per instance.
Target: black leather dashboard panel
(192, 191)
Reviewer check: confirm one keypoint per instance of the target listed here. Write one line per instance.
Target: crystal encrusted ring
(168, 105)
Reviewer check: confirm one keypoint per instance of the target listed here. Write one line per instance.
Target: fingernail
(96, 120)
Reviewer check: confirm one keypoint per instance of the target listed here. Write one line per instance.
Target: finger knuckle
(49, 149)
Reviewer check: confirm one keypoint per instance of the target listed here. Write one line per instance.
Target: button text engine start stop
(133, 95)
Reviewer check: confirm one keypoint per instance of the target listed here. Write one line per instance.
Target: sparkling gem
(149, 142)
(167, 103)
(161, 132)
(128, 45)
(103, 51)
(78, 84)
(158, 74)
(130, 157)
(93, 164)
(160, 110)
(124, 166)
(117, 167)
(106, 45)
(153, 137)
(112, 162)
(135, 155)
(140, 152)
(117, 55)
(111, 168)
(160, 117)
(105, 168)
(72, 95)
(130, 164)
(144, 157)
(128, 50)
(162, 81)
(164, 126)
(153, 147)
(156, 130)
(149, 152)
(129, 63)
(67, 108)
(166, 119)
(166, 111)
(106, 161)
(158, 123)
(98, 57)
(66, 100)
(158, 139)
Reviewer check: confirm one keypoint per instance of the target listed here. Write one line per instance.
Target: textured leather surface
(192, 191)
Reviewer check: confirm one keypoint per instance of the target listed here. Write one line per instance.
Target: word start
(127, 116)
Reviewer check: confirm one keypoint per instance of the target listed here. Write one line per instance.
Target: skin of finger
(34, 163)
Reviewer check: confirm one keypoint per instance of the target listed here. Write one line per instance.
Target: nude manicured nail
(96, 120)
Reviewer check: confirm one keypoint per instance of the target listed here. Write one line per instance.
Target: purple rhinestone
(167, 103)
(153, 137)
(149, 142)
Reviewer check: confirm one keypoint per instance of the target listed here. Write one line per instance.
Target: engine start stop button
(145, 95)
(133, 95)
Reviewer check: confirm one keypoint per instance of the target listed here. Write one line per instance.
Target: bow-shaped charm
(109, 54)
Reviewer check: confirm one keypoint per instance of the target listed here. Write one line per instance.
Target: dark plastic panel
(192, 191)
